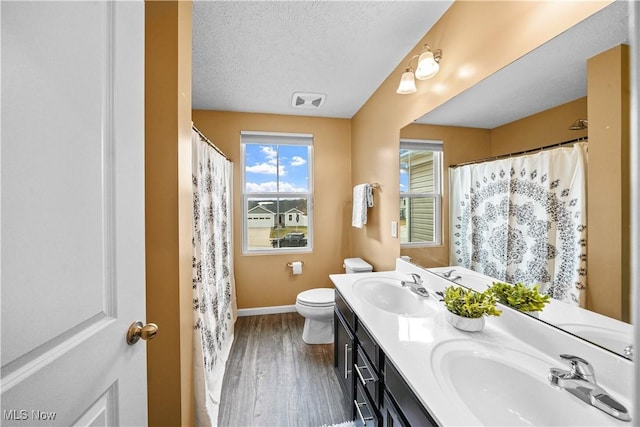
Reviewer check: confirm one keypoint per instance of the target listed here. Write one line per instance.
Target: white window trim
(436, 146)
(276, 138)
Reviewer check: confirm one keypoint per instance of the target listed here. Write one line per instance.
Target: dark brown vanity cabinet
(344, 346)
(375, 390)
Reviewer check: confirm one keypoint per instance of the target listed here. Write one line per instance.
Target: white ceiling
(251, 56)
(551, 75)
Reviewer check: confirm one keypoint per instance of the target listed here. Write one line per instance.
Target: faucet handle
(580, 367)
(416, 277)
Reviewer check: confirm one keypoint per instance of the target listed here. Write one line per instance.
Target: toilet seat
(320, 297)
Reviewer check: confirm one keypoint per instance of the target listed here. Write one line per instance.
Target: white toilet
(316, 306)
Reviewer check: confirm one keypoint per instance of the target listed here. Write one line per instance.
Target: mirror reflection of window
(420, 192)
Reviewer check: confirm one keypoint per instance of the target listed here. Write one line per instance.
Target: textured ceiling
(251, 56)
(551, 75)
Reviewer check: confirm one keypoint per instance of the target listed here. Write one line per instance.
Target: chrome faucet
(580, 381)
(416, 286)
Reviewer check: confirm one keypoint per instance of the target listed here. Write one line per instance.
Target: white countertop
(412, 344)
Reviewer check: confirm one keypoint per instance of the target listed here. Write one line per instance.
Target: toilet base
(318, 331)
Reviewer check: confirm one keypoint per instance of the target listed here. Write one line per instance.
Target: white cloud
(266, 168)
(270, 154)
(297, 161)
(272, 187)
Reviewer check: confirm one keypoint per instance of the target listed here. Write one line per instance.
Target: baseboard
(266, 310)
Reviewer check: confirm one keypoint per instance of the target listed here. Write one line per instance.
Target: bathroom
(370, 150)
(347, 152)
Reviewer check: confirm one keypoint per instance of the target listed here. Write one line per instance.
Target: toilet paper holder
(290, 265)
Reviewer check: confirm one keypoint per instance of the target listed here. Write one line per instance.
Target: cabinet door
(343, 356)
(390, 414)
(406, 402)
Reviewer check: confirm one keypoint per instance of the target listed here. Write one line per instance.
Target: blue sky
(270, 168)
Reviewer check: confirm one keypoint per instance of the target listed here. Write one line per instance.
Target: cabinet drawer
(367, 376)
(364, 411)
(407, 403)
(370, 347)
(344, 309)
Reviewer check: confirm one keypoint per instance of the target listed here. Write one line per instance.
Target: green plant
(469, 303)
(519, 296)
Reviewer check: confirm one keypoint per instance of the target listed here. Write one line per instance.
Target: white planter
(464, 323)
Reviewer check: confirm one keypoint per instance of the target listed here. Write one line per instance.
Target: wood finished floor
(274, 379)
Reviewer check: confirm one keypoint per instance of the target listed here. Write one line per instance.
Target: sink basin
(389, 295)
(502, 386)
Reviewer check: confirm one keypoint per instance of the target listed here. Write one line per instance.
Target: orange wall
(169, 211)
(265, 280)
(459, 145)
(477, 39)
(608, 177)
(545, 128)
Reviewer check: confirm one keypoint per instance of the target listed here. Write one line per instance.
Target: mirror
(548, 87)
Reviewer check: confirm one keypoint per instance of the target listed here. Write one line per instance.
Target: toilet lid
(320, 297)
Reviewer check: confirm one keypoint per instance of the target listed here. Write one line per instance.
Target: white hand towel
(362, 199)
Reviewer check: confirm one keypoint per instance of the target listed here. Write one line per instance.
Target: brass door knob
(137, 330)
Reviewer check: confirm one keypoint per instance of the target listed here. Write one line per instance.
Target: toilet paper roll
(296, 266)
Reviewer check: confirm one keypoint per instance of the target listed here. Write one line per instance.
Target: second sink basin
(389, 295)
(503, 386)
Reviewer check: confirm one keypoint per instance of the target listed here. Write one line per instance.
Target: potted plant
(466, 308)
(520, 296)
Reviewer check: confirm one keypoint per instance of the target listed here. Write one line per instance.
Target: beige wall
(459, 145)
(265, 280)
(608, 178)
(477, 39)
(544, 128)
(169, 211)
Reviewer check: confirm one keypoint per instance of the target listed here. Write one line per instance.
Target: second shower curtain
(523, 219)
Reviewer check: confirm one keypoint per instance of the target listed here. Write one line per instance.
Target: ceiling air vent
(307, 100)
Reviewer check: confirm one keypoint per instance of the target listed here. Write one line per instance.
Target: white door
(72, 177)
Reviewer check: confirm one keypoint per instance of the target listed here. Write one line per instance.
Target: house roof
(260, 209)
(295, 210)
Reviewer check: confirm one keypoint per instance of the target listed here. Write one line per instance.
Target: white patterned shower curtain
(523, 219)
(213, 282)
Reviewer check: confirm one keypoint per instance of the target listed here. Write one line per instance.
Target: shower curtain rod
(208, 141)
(520, 153)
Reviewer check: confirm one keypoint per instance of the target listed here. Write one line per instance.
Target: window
(277, 192)
(420, 192)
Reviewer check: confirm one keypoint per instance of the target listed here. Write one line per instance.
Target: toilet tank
(357, 265)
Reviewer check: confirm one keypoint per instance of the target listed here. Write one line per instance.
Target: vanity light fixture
(428, 66)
